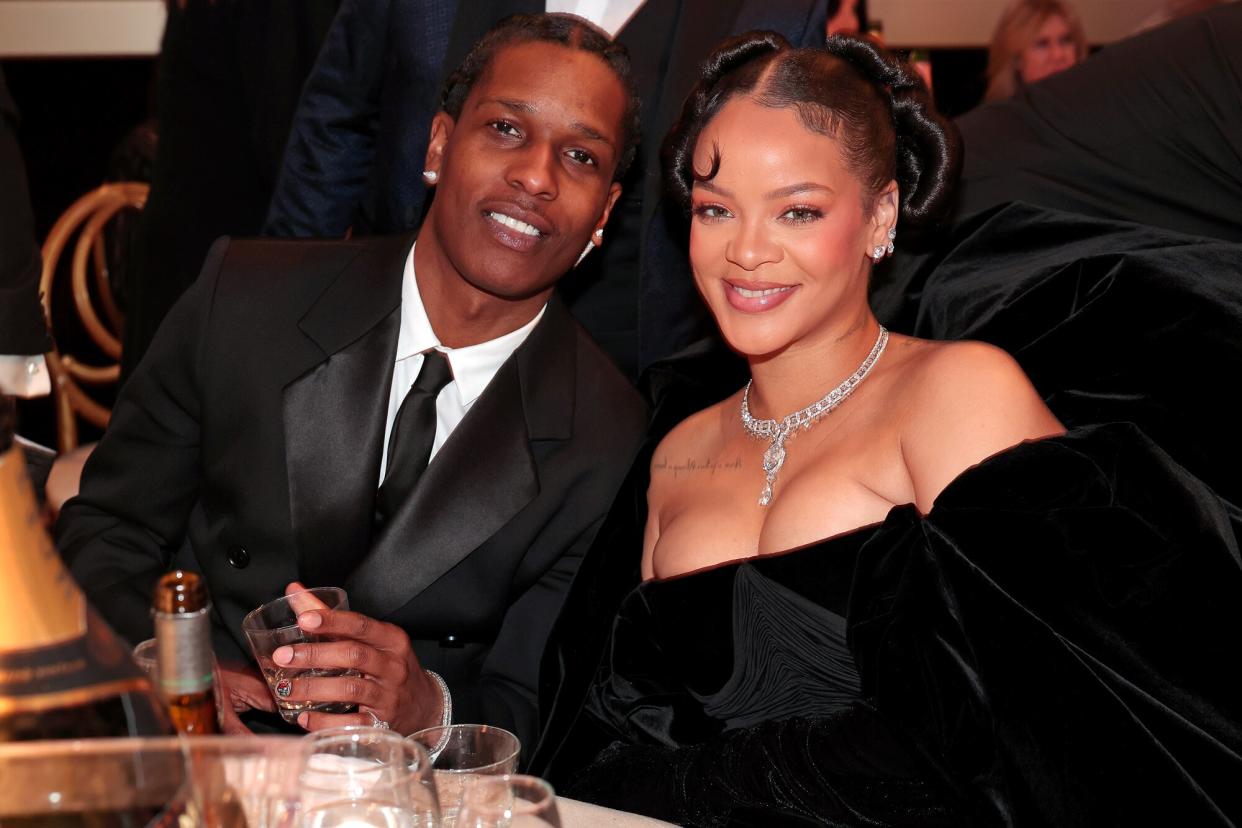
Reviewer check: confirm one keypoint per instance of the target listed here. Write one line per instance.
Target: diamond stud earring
(430, 176)
(877, 253)
(892, 237)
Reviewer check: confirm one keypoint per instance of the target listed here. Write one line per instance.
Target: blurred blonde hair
(1017, 28)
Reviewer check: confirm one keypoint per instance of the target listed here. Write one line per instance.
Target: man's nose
(534, 171)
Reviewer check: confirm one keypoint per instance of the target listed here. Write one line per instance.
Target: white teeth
(513, 224)
(751, 294)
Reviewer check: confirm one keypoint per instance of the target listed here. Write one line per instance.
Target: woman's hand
(240, 689)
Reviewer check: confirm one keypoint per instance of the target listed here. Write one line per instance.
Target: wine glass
(510, 801)
(365, 776)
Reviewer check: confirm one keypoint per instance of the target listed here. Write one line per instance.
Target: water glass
(511, 801)
(464, 750)
(274, 625)
(365, 776)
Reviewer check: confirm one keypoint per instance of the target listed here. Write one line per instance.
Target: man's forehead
(532, 74)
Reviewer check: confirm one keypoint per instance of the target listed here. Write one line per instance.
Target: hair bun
(928, 147)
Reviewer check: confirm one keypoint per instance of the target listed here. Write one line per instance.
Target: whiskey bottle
(182, 615)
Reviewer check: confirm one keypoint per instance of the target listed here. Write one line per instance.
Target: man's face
(525, 172)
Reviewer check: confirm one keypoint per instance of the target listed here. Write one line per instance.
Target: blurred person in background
(844, 17)
(1032, 40)
(23, 333)
(229, 77)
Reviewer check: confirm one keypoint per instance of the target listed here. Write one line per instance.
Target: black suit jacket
(359, 140)
(247, 447)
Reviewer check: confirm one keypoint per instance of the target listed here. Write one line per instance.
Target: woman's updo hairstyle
(874, 106)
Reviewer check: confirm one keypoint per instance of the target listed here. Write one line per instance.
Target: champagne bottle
(183, 643)
(63, 673)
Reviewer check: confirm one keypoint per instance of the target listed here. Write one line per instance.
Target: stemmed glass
(511, 801)
(365, 776)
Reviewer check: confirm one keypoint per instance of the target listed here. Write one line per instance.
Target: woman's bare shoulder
(695, 440)
(962, 403)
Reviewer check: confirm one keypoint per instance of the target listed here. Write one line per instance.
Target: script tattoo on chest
(696, 465)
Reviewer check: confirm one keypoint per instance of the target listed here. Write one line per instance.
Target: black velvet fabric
(1044, 648)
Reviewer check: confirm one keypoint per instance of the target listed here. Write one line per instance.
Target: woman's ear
(441, 129)
(884, 215)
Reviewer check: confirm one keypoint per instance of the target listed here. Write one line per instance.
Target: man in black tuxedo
(358, 135)
(251, 443)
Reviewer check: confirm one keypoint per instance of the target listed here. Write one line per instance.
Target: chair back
(95, 305)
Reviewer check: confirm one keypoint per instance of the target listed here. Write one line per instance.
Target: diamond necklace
(779, 432)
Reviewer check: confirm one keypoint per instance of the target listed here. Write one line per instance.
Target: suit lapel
(335, 411)
(482, 477)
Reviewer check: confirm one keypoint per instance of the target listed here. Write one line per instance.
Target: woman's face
(779, 238)
(1052, 51)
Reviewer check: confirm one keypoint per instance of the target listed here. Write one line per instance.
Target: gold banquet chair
(100, 318)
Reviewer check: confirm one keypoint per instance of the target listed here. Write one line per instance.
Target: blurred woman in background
(1032, 40)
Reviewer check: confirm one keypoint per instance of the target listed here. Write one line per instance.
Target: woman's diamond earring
(877, 253)
(430, 176)
(892, 237)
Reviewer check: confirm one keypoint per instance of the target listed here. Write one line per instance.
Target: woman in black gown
(930, 606)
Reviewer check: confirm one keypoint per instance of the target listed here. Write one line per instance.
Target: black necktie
(413, 432)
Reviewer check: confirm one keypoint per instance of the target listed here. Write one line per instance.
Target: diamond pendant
(773, 459)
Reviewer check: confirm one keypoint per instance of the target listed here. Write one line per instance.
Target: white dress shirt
(472, 366)
(609, 15)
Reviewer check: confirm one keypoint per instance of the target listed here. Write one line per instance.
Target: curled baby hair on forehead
(874, 106)
(566, 30)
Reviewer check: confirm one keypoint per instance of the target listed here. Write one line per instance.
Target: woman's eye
(711, 211)
(504, 128)
(800, 215)
(582, 157)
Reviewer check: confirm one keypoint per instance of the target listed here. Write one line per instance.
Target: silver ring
(376, 721)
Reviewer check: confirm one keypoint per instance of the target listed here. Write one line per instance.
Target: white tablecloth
(575, 814)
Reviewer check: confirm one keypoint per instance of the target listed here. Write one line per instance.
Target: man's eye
(505, 128)
(582, 157)
(711, 211)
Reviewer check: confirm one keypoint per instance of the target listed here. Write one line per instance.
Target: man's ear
(441, 128)
(614, 193)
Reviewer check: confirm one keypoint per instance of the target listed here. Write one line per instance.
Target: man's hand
(240, 689)
(391, 686)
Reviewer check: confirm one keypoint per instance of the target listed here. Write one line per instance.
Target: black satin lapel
(334, 431)
(484, 474)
